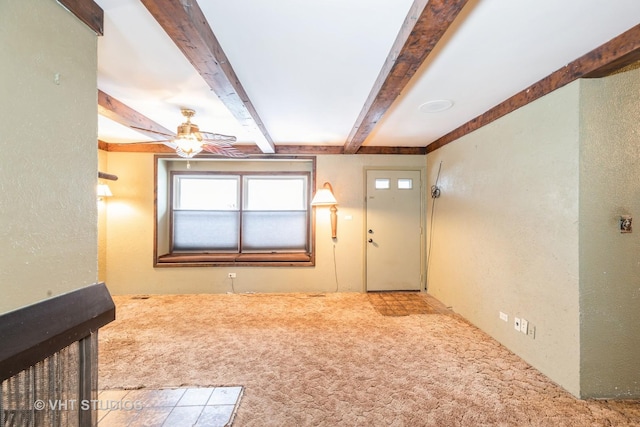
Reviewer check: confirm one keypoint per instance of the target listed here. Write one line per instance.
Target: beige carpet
(333, 360)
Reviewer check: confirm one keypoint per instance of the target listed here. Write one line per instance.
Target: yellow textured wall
(130, 236)
(504, 236)
(102, 220)
(48, 160)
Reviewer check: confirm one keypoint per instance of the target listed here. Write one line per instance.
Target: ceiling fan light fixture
(188, 145)
(190, 141)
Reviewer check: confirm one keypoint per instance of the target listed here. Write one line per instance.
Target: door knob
(370, 240)
(370, 231)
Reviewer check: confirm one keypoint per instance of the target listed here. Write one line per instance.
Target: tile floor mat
(405, 303)
(169, 407)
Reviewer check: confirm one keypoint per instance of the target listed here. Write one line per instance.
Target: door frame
(423, 220)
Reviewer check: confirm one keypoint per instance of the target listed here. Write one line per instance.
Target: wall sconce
(104, 191)
(324, 197)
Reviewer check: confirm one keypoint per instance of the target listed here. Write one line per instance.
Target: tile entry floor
(405, 303)
(170, 407)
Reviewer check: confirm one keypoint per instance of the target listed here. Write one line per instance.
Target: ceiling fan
(190, 140)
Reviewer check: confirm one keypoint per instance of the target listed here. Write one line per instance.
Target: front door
(393, 230)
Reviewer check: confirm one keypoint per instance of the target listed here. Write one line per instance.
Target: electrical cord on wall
(435, 194)
(335, 266)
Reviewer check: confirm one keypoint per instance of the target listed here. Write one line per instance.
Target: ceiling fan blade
(161, 141)
(170, 143)
(153, 131)
(212, 142)
(223, 144)
(217, 136)
(167, 142)
(223, 150)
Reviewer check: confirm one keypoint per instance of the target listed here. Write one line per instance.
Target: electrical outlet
(532, 331)
(504, 316)
(516, 324)
(231, 275)
(524, 326)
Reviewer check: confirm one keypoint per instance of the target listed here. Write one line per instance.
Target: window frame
(174, 194)
(164, 258)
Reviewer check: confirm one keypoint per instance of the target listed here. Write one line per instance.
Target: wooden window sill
(257, 259)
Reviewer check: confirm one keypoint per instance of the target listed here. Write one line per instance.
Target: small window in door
(382, 183)
(405, 183)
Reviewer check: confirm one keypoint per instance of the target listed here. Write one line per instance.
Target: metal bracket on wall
(626, 224)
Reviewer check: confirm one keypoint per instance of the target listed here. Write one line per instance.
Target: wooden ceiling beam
(115, 110)
(423, 27)
(138, 148)
(187, 26)
(309, 149)
(88, 12)
(392, 150)
(615, 54)
(253, 150)
(614, 66)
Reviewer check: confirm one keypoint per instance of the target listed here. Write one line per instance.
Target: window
(385, 183)
(382, 183)
(254, 213)
(405, 184)
(239, 213)
(205, 213)
(275, 214)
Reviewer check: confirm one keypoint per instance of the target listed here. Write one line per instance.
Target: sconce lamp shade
(104, 190)
(324, 196)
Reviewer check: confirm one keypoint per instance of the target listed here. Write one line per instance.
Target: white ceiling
(308, 67)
